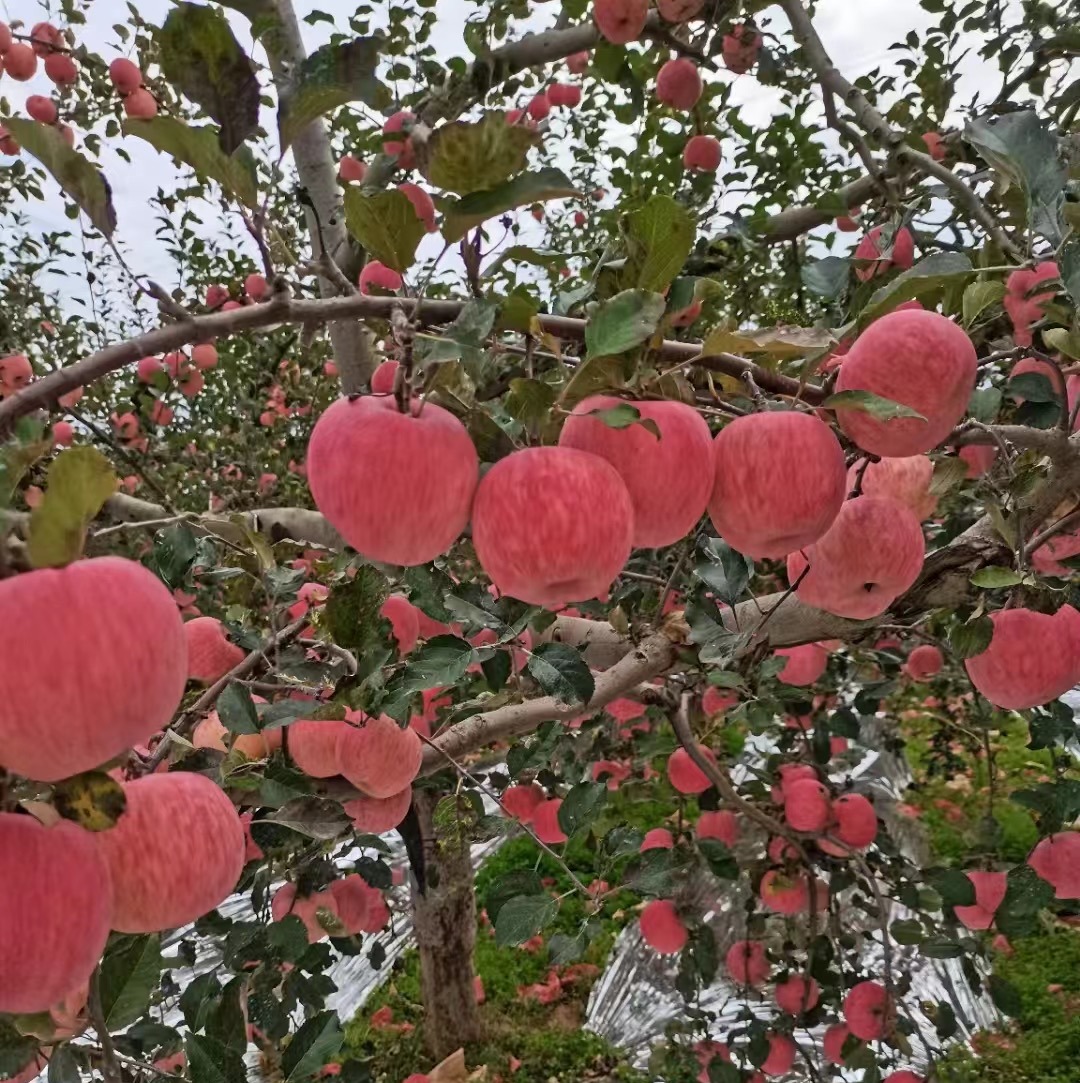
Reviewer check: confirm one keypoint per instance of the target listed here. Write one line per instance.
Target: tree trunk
(444, 915)
(325, 217)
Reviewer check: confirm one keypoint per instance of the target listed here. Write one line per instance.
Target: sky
(857, 34)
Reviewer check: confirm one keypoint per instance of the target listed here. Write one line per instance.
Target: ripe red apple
(552, 525)
(422, 204)
(15, 373)
(20, 62)
(906, 480)
(382, 379)
(717, 700)
(855, 821)
(140, 104)
(702, 152)
(1057, 860)
(61, 69)
(919, 359)
(521, 801)
(979, 458)
(378, 814)
(747, 964)
(41, 109)
(401, 614)
(539, 106)
(313, 746)
(204, 355)
(804, 665)
(779, 482)
(377, 275)
(612, 772)
(397, 487)
(620, 21)
(578, 63)
(797, 994)
(782, 1053)
(685, 775)
(721, 825)
(63, 433)
(871, 555)
(669, 479)
(1023, 301)
(147, 368)
(55, 903)
(211, 733)
(565, 95)
(806, 805)
(924, 661)
(210, 655)
(741, 47)
(46, 38)
(678, 84)
(880, 253)
(545, 821)
(256, 288)
(903, 1077)
(661, 927)
(1032, 658)
(1047, 559)
(216, 295)
(679, 11)
(789, 893)
(93, 660)
(360, 906)
(174, 854)
(379, 757)
(990, 890)
(286, 901)
(659, 838)
(833, 1043)
(398, 146)
(868, 1011)
(935, 145)
(1033, 366)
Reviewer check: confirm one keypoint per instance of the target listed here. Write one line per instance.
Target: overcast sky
(857, 33)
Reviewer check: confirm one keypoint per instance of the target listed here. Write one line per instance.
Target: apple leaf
(198, 146)
(603, 373)
(527, 188)
(77, 175)
(386, 224)
(926, 281)
(79, 482)
(623, 322)
(659, 237)
(93, 800)
(979, 296)
(469, 156)
(202, 58)
(881, 408)
(623, 416)
(333, 75)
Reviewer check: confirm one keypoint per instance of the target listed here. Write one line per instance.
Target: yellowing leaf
(79, 482)
(92, 800)
(386, 224)
(470, 156)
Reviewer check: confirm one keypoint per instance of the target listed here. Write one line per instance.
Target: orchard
(476, 503)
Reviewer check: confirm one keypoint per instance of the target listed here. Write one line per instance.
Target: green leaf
(727, 573)
(581, 806)
(953, 886)
(79, 482)
(907, 932)
(1026, 895)
(386, 224)
(469, 156)
(351, 612)
(129, 975)
(1005, 995)
(561, 672)
(331, 76)
(1032, 387)
(522, 917)
(237, 711)
(173, 554)
(509, 886)
(210, 1061)
(652, 873)
(594, 375)
(623, 416)
(198, 146)
(312, 1047)
(529, 401)
(313, 817)
(202, 58)
(93, 800)
(1055, 803)
(623, 322)
(720, 859)
(537, 186)
(926, 281)
(563, 949)
(16, 1049)
(984, 404)
(659, 238)
(979, 296)
(940, 947)
(63, 1067)
(874, 405)
(441, 661)
(78, 177)
(994, 577)
(1025, 153)
(967, 640)
(826, 277)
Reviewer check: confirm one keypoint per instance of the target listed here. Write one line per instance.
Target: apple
(806, 805)
(678, 84)
(1023, 301)
(379, 757)
(620, 21)
(61, 69)
(879, 254)
(1057, 860)
(401, 614)
(868, 1011)
(990, 888)
(422, 204)
(399, 147)
(685, 775)
(93, 660)
(659, 838)
(923, 662)
(855, 821)
(833, 1043)
(521, 801)
(804, 665)
(679, 11)
(871, 555)
(722, 825)
(286, 901)
(552, 525)
(906, 480)
(174, 854)
(747, 964)
(1032, 658)
(384, 377)
(669, 477)
(797, 994)
(20, 62)
(661, 927)
(351, 169)
(378, 814)
(916, 358)
(779, 482)
(702, 152)
(397, 487)
(312, 746)
(377, 275)
(545, 821)
(15, 373)
(55, 904)
(209, 654)
(782, 1053)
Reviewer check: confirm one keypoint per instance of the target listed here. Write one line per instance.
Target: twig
(145, 524)
(110, 1068)
(332, 648)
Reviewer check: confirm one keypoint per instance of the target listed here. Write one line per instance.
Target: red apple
(1024, 302)
(661, 927)
(747, 964)
(924, 661)
(702, 152)
(620, 21)
(833, 1043)
(685, 775)
(797, 994)
(868, 1011)
(379, 757)
(678, 84)
(659, 838)
(545, 821)
(781, 1058)
(906, 480)
(806, 805)
(521, 801)
(721, 825)
(378, 814)
(804, 665)
(1057, 860)
(880, 252)
(990, 890)
(741, 47)
(210, 655)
